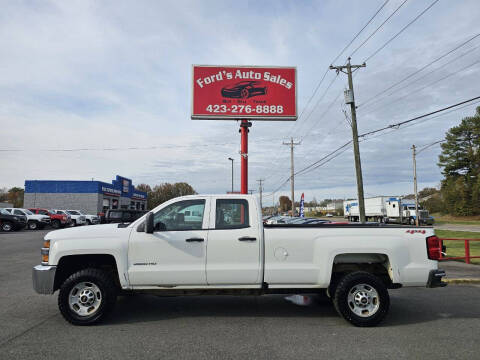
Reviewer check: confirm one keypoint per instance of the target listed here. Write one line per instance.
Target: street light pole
(232, 171)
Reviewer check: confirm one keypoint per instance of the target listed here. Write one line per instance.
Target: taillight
(434, 247)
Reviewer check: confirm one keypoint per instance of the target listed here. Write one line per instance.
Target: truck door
(175, 254)
(234, 243)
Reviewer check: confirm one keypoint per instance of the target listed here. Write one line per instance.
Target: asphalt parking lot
(423, 323)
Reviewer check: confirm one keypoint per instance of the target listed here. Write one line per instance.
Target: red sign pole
(244, 125)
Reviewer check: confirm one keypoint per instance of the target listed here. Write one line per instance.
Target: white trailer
(387, 209)
(374, 209)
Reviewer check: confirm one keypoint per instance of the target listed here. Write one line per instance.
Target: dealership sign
(244, 92)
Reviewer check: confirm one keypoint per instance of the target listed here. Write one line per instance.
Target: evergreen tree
(460, 160)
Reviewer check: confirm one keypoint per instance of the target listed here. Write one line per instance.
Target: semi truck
(387, 209)
(227, 250)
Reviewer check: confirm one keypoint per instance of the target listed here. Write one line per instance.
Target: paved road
(458, 227)
(423, 323)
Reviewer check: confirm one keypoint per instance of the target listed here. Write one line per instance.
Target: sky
(92, 89)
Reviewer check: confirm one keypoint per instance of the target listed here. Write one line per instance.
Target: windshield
(73, 212)
(28, 212)
(4, 212)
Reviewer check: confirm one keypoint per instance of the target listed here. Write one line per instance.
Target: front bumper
(43, 278)
(435, 278)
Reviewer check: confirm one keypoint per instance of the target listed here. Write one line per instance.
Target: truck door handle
(194, 240)
(247, 238)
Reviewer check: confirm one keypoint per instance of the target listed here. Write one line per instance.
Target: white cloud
(87, 74)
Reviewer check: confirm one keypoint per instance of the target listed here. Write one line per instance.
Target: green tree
(3, 194)
(164, 192)
(285, 203)
(15, 196)
(460, 161)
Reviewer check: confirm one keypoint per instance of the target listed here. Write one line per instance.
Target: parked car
(123, 215)
(34, 221)
(77, 217)
(9, 222)
(57, 221)
(167, 255)
(89, 219)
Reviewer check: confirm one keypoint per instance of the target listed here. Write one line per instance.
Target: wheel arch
(69, 264)
(378, 264)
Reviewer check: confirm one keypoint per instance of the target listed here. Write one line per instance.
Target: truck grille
(423, 214)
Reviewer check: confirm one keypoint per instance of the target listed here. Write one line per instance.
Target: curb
(462, 281)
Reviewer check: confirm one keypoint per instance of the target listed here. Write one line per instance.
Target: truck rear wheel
(362, 299)
(87, 296)
(56, 224)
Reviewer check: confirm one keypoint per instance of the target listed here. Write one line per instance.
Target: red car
(56, 220)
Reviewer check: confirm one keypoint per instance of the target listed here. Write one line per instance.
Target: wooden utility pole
(350, 99)
(292, 175)
(414, 149)
(260, 189)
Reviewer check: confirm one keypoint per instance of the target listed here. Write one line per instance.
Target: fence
(467, 256)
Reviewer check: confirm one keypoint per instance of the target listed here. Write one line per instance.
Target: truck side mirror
(149, 223)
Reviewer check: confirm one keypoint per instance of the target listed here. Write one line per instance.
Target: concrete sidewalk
(459, 272)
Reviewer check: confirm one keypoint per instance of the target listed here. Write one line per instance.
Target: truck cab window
(231, 214)
(182, 215)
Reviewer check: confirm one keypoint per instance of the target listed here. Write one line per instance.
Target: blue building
(91, 197)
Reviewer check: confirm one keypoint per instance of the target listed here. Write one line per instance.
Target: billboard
(244, 92)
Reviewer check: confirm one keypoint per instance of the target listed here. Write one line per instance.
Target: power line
(419, 70)
(422, 88)
(431, 118)
(429, 145)
(340, 54)
(378, 28)
(418, 117)
(344, 146)
(402, 30)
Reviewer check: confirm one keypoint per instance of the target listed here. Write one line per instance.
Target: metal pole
(415, 184)
(356, 147)
(232, 171)
(292, 177)
(260, 190)
(244, 125)
(292, 173)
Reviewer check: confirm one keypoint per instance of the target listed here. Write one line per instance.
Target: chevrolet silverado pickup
(217, 244)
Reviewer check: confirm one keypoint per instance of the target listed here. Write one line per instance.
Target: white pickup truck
(227, 250)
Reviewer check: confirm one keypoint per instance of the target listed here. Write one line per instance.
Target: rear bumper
(435, 278)
(43, 278)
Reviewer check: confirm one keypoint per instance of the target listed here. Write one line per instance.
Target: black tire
(412, 221)
(108, 292)
(74, 222)
(56, 224)
(88, 222)
(7, 226)
(347, 284)
(32, 225)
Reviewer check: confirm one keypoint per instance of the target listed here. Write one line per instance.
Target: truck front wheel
(87, 296)
(362, 299)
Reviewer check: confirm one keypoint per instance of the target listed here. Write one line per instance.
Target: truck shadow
(408, 306)
(146, 308)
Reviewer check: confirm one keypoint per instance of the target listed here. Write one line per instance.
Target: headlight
(45, 251)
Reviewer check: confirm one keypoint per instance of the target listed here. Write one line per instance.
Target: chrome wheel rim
(85, 298)
(7, 227)
(363, 300)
